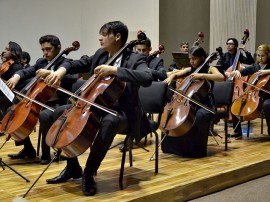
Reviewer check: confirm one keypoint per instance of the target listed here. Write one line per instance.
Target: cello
(20, 121)
(5, 66)
(76, 129)
(179, 114)
(249, 105)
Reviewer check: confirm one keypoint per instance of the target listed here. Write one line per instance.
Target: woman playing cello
(261, 67)
(194, 142)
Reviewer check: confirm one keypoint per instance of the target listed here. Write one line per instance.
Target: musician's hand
(236, 74)
(169, 79)
(13, 81)
(54, 78)
(227, 74)
(42, 73)
(102, 71)
(197, 76)
(263, 72)
(243, 47)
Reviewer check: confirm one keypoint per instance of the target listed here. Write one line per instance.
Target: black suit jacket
(224, 61)
(135, 72)
(27, 74)
(158, 70)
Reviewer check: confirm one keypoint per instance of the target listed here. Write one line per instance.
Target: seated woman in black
(194, 142)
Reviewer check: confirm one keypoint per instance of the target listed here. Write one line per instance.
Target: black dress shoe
(236, 135)
(89, 186)
(65, 175)
(23, 154)
(45, 159)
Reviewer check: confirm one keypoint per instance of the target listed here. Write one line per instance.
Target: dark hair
(26, 56)
(114, 28)
(197, 51)
(184, 43)
(146, 42)
(54, 40)
(15, 50)
(234, 41)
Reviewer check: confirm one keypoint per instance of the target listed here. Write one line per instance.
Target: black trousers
(266, 109)
(194, 142)
(110, 126)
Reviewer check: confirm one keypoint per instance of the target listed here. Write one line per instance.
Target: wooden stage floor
(179, 179)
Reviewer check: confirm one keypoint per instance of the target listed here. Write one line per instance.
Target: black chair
(153, 100)
(223, 92)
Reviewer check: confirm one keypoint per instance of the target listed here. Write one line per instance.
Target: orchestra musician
(12, 52)
(154, 63)
(129, 67)
(50, 46)
(194, 142)
(25, 61)
(225, 63)
(261, 67)
(184, 47)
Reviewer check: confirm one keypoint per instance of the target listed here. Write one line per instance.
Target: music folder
(181, 59)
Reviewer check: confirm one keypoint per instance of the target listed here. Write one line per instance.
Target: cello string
(33, 100)
(115, 113)
(194, 101)
(266, 91)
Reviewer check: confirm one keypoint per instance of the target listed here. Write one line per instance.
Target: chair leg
(123, 163)
(130, 143)
(226, 134)
(248, 127)
(157, 152)
(262, 115)
(38, 142)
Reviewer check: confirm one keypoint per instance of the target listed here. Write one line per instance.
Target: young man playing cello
(51, 47)
(129, 67)
(225, 62)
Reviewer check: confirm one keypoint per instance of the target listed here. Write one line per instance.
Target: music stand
(181, 59)
(2, 164)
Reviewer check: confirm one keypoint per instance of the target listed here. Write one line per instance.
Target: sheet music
(7, 92)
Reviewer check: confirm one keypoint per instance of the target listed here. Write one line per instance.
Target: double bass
(20, 121)
(179, 114)
(76, 129)
(238, 83)
(160, 50)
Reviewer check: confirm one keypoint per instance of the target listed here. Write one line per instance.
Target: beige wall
(181, 20)
(25, 21)
(263, 22)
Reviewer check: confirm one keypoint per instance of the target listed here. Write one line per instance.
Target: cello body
(249, 105)
(179, 114)
(23, 116)
(76, 129)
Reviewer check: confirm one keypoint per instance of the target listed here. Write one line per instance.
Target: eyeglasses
(229, 43)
